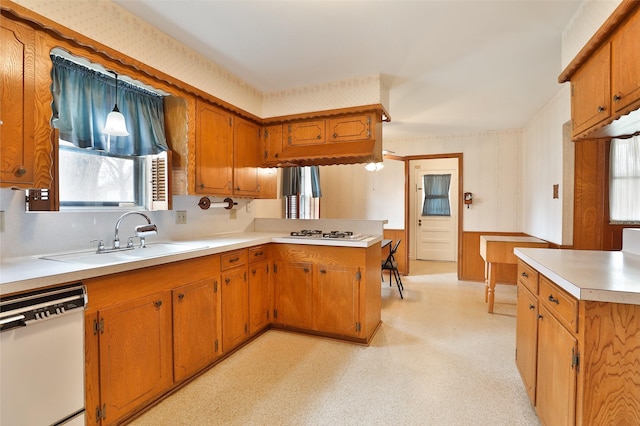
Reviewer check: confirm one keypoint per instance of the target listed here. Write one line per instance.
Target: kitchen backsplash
(27, 234)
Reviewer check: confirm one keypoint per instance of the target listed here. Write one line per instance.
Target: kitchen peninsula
(578, 333)
(193, 308)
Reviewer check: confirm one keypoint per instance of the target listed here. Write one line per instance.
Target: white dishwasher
(42, 357)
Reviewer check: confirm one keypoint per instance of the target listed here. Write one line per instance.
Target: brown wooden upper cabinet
(24, 143)
(227, 155)
(606, 83)
(625, 65)
(214, 150)
(350, 129)
(345, 138)
(590, 91)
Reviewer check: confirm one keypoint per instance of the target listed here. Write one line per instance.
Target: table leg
(491, 286)
(486, 282)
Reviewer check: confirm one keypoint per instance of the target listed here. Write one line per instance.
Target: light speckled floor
(438, 359)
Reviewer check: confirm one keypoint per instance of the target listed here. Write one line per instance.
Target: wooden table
(496, 249)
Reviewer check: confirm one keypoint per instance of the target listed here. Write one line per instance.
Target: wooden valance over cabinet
(605, 78)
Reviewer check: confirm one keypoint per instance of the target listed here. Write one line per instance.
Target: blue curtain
(436, 198)
(292, 181)
(82, 99)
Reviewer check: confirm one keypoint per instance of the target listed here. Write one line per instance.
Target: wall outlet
(233, 214)
(248, 206)
(181, 217)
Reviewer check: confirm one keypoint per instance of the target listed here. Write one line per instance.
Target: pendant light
(115, 125)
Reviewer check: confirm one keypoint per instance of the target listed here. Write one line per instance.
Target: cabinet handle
(524, 274)
(553, 299)
(617, 98)
(601, 109)
(21, 171)
(531, 306)
(235, 259)
(180, 296)
(259, 253)
(157, 303)
(276, 155)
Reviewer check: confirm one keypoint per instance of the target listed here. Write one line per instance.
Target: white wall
(491, 164)
(546, 158)
(351, 192)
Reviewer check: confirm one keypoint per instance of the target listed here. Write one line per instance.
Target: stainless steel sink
(149, 251)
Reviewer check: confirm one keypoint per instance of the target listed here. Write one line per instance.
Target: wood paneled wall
(591, 227)
(402, 255)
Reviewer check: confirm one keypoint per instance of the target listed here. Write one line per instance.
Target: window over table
(624, 181)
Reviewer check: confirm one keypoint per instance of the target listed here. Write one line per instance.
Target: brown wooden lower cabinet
(151, 329)
(578, 359)
(196, 327)
(327, 290)
(141, 329)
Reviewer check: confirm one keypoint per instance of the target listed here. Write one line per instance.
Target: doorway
(434, 229)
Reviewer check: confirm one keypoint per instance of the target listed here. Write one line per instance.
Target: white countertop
(601, 276)
(28, 273)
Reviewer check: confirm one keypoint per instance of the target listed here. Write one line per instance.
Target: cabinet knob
(617, 98)
(540, 317)
(227, 280)
(306, 269)
(21, 171)
(531, 306)
(323, 271)
(318, 137)
(524, 274)
(335, 136)
(180, 296)
(157, 303)
(601, 109)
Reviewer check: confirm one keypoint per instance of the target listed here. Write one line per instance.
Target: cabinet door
(260, 296)
(349, 129)
(590, 91)
(625, 64)
(271, 144)
(337, 299)
(246, 156)
(214, 150)
(17, 104)
(195, 327)
(235, 307)
(306, 133)
(293, 293)
(527, 339)
(556, 377)
(135, 353)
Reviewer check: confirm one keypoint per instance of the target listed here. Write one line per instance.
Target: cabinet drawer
(257, 253)
(233, 259)
(528, 277)
(560, 303)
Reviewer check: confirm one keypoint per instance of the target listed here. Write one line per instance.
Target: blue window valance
(82, 99)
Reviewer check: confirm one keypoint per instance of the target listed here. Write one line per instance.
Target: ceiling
(452, 66)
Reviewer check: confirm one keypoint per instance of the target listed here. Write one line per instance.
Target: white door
(436, 221)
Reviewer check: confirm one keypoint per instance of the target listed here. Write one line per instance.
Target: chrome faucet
(141, 231)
